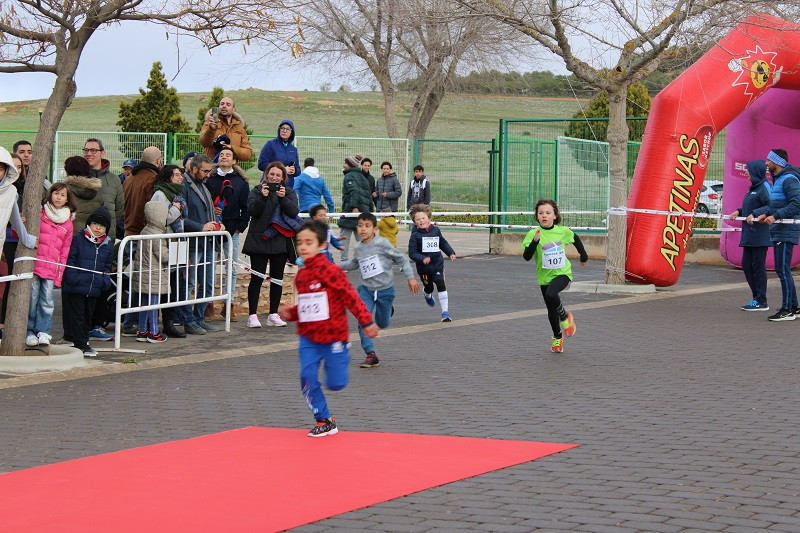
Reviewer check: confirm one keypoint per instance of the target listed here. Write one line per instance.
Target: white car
(710, 197)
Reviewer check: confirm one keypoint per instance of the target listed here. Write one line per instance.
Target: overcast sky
(118, 59)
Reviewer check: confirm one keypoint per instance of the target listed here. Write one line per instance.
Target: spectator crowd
(95, 206)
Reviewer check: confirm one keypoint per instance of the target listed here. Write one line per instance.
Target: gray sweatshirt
(375, 259)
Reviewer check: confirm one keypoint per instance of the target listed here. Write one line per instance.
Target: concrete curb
(59, 358)
(603, 288)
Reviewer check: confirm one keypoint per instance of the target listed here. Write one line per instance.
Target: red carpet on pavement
(249, 479)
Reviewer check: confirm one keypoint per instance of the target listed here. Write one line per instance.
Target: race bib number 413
(313, 307)
(430, 244)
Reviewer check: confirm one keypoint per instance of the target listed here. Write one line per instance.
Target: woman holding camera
(265, 203)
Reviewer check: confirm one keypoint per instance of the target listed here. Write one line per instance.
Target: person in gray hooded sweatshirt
(374, 258)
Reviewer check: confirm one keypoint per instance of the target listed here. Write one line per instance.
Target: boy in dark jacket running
(425, 247)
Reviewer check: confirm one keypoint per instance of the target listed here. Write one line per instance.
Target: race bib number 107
(554, 258)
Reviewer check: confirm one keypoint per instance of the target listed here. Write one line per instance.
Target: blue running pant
(783, 268)
(337, 359)
(382, 307)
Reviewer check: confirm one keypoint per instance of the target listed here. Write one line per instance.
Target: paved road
(686, 408)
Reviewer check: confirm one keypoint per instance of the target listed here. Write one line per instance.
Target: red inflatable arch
(760, 53)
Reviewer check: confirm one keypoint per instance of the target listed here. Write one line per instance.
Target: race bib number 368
(430, 244)
(313, 307)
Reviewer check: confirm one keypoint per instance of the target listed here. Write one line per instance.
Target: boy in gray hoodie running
(374, 259)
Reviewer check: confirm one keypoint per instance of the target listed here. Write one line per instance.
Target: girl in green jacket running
(547, 244)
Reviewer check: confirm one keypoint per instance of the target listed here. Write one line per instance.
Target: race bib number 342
(313, 307)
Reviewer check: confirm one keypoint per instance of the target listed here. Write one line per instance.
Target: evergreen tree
(157, 110)
(217, 94)
(638, 105)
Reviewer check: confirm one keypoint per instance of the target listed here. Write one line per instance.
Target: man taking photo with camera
(224, 128)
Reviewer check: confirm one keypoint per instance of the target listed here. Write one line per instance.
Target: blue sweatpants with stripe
(337, 360)
(783, 268)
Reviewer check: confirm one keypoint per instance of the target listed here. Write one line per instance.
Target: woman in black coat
(270, 195)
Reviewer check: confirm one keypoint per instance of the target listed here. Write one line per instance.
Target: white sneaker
(275, 320)
(252, 322)
(44, 338)
(32, 340)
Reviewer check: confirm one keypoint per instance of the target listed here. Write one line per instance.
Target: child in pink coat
(55, 239)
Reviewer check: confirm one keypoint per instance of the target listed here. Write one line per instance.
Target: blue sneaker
(755, 306)
(446, 317)
(429, 299)
(99, 334)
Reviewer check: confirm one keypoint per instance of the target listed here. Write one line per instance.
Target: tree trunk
(618, 175)
(19, 296)
(422, 113)
(389, 111)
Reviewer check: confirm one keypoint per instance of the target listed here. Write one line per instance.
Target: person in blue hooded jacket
(755, 237)
(282, 149)
(784, 203)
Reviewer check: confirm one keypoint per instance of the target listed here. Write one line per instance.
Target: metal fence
(9, 137)
(328, 153)
(458, 171)
(135, 283)
(119, 146)
(539, 158)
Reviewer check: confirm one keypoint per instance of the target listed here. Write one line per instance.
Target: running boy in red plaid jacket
(324, 295)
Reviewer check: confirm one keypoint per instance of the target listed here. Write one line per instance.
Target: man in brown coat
(230, 124)
(138, 189)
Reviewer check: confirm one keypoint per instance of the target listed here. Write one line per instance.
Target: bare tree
(50, 36)
(421, 39)
(610, 44)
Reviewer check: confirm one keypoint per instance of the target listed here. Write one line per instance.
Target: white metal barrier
(119, 146)
(217, 249)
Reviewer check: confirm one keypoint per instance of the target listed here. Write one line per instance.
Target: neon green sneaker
(558, 345)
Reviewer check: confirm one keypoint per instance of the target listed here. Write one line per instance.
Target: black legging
(10, 251)
(555, 311)
(277, 264)
(429, 280)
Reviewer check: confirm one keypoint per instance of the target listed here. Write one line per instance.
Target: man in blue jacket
(282, 149)
(784, 203)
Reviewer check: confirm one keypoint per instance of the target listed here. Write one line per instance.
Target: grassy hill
(334, 114)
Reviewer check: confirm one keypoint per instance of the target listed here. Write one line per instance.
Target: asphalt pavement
(685, 407)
